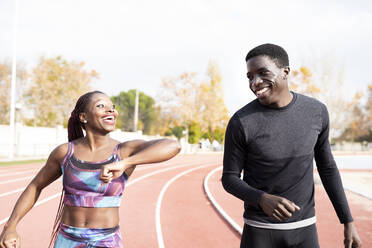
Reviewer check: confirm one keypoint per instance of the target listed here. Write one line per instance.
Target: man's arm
(233, 163)
(331, 180)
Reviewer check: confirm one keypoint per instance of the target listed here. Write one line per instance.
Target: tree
(368, 109)
(360, 127)
(215, 113)
(179, 99)
(5, 83)
(302, 81)
(193, 101)
(147, 111)
(55, 87)
(369, 106)
(177, 131)
(324, 81)
(195, 133)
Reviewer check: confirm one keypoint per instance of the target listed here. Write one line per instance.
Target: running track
(165, 205)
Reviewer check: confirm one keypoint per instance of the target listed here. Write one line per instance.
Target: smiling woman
(95, 169)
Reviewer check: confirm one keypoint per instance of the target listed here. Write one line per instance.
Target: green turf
(22, 162)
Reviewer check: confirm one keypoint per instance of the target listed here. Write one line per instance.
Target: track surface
(165, 205)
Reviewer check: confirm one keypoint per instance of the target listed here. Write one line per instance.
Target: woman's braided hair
(74, 126)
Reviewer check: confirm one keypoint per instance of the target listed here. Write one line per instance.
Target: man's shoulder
(308, 99)
(250, 108)
(310, 104)
(246, 117)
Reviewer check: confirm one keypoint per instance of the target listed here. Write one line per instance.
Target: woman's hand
(9, 239)
(112, 171)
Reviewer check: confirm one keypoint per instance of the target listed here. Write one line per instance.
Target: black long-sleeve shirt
(275, 149)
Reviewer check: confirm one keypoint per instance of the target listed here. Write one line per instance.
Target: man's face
(266, 80)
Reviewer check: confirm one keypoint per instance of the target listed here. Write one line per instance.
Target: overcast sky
(135, 43)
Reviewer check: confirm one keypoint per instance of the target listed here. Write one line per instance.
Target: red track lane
(189, 220)
(186, 216)
(230, 204)
(138, 210)
(139, 204)
(330, 231)
(14, 168)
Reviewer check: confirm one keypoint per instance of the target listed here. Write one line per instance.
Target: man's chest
(277, 138)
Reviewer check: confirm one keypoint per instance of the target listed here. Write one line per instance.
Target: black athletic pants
(305, 237)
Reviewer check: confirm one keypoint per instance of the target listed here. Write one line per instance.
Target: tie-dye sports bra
(82, 185)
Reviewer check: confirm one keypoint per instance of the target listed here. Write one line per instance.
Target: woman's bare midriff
(90, 217)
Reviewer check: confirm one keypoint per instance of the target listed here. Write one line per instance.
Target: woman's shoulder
(60, 152)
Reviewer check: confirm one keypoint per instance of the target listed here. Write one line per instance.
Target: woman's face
(100, 114)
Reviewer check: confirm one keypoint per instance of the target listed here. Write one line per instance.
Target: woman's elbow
(175, 146)
(171, 146)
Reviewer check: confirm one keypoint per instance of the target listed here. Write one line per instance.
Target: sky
(137, 43)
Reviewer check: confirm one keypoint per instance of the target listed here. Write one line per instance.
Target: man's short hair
(275, 52)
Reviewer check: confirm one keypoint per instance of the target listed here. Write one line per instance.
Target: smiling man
(273, 140)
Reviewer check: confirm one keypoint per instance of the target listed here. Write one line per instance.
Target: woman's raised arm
(140, 152)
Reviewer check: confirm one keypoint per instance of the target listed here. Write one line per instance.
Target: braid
(75, 131)
(74, 126)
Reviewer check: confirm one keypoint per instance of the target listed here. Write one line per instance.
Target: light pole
(13, 83)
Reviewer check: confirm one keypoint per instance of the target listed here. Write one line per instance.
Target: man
(274, 139)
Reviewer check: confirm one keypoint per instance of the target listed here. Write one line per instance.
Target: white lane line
(127, 185)
(36, 204)
(17, 173)
(16, 180)
(157, 172)
(159, 233)
(216, 205)
(130, 182)
(149, 166)
(12, 192)
(19, 189)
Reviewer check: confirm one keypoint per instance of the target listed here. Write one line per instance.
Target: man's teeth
(259, 92)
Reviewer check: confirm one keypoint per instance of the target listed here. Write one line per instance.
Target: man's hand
(9, 239)
(351, 237)
(277, 207)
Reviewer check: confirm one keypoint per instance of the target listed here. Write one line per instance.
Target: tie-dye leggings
(77, 237)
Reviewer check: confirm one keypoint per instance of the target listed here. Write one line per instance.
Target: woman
(88, 215)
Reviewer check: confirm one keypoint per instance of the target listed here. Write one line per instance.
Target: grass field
(22, 162)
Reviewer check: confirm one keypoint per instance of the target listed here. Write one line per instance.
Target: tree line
(350, 118)
(47, 94)
(188, 105)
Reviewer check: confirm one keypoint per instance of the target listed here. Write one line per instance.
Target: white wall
(40, 141)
